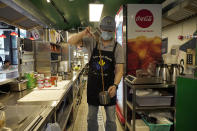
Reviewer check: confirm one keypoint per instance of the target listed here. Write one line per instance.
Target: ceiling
(59, 14)
(76, 12)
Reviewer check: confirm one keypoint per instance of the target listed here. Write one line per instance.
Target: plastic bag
(53, 127)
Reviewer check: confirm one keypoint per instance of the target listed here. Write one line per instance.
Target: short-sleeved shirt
(90, 43)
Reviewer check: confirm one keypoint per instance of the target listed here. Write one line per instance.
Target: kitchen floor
(81, 120)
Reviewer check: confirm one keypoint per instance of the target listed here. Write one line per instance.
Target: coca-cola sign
(144, 18)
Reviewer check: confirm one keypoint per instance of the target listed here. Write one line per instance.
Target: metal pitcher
(158, 67)
(164, 72)
(176, 70)
(104, 98)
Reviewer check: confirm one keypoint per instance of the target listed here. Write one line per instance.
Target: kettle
(158, 67)
(175, 71)
(164, 72)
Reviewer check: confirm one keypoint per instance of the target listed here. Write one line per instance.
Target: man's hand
(112, 91)
(87, 32)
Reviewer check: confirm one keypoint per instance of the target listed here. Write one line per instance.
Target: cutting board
(43, 95)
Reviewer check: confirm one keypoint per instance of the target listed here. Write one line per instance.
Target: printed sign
(144, 37)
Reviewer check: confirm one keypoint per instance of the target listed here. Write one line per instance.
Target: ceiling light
(48, 1)
(95, 11)
(3, 36)
(31, 38)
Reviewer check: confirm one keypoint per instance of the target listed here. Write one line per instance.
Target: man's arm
(118, 73)
(117, 79)
(77, 38)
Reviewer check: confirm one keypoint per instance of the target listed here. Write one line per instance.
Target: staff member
(112, 64)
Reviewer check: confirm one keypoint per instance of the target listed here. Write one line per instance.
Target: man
(112, 64)
(6, 65)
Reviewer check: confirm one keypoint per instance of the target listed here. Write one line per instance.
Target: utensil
(104, 98)
(164, 72)
(175, 71)
(158, 67)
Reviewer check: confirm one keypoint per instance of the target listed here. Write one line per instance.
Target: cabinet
(132, 108)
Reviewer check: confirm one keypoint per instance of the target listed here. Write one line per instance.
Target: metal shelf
(142, 108)
(30, 60)
(164, 85)
(67, 115)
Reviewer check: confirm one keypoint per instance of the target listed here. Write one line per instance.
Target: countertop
(6, 77)
(10, 101)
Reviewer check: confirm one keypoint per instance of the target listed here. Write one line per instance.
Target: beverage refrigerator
(138, 30)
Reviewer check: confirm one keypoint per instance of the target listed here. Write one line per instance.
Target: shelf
(66, 115)
(28, 60)
(167, 85)
(53, 61)
(129, 126)
(28, 53)
(142, 108)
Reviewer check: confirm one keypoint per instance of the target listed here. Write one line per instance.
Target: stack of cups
(47, 82)
(40, 81)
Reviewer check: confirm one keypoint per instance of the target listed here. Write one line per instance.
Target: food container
(104, 98)
(159, 127)
(19, 85)
(154, 100)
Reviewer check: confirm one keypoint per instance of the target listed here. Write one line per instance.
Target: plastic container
(154, 100)
(158, 127)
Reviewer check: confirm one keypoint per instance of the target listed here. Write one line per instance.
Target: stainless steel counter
(8, 77)
(14, 111)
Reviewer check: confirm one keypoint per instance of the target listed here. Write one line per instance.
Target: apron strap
(115, 47)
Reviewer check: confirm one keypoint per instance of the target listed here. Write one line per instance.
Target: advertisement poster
(144, 37)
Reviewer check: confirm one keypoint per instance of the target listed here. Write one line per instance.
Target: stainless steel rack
(135, 108)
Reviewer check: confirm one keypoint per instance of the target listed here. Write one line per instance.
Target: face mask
(106, 35)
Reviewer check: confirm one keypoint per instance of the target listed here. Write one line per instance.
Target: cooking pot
(104, 98)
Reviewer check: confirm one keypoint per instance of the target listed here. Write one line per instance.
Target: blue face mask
(106, 35)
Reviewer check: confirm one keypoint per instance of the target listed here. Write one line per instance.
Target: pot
(104, 98)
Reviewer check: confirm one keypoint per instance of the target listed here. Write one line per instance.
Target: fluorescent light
(48, 1)
(95, 11)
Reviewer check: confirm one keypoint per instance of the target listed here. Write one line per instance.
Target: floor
(81, 120)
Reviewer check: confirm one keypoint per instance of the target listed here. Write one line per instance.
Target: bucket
(104, 98)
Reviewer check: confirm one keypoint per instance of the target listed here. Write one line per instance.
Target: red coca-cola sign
(144, 18)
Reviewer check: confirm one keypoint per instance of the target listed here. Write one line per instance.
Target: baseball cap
(108, 24)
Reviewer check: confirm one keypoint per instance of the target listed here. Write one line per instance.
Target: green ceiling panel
(76, 12)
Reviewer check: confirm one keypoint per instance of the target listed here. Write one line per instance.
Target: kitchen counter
(6, 77)
(10, 100)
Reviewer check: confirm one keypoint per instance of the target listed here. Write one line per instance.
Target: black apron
(94, 86)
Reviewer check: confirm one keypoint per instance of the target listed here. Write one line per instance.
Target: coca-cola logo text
(144, 18)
